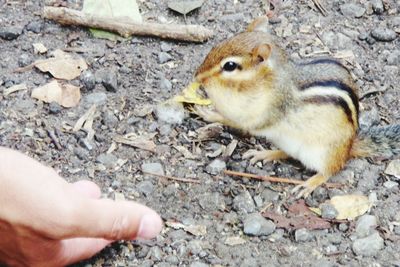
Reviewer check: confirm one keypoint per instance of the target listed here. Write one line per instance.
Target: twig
(66, 16)
(320, 7)
(54, 138)
(185, 180)
(274, 179)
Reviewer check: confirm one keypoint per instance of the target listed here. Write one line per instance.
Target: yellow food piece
(190, 95)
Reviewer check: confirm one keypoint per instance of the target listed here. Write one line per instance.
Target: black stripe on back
(323, 61)
(335, 100)
(337, 84)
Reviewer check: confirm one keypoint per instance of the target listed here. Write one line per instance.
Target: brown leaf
(66, 95)
(62, 66)
(142, 142)
(298, 216)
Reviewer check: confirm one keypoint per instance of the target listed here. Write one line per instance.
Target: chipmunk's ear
(261, 53)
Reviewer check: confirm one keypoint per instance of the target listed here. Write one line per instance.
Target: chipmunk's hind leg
(307, 187)
(264, 155)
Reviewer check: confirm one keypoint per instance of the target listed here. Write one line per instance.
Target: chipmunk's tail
(379, 141)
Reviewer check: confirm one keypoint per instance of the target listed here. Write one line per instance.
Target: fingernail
(150, 226)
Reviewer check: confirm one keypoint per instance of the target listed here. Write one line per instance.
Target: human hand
(45, 221)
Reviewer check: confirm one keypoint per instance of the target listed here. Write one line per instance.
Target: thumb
(114, 220)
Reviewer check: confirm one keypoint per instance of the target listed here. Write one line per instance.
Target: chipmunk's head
(241, 72)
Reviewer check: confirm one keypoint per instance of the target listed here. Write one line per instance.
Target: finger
(113, 220)
(87, 188)
(78, 249)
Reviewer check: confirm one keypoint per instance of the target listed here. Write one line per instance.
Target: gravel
(256, 225)
(368, 246)
(302, 235)
(216, 166)
(384, 34)
(244, 203)
(352, 10)
(153, 167)
(366, 225)
(10, 33)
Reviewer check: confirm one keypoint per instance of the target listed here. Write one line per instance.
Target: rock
(165, 84)
(383, 34)
(352, 10)
(170, 112)
(393, 168)
(164, 57)
(369, 118)
(302, 235)
(328, 211)
(24, 60)
(10, 33)
(99, 98)
(108, 160)
(368, 246)
(343, 227)
(255, 224)
(366, 225)
(34, 26)
(377, 6)
(88, 80)
(342, 41)
(198, 264)
(212, 202)
(145, 187)
(394, 58)
(81, 153)
(110, 81)
(244, 203)
(165, 47)
(153, 167)
(216, 166)
(109, 119)
(156, 253)
(54, 108)
(390, 184)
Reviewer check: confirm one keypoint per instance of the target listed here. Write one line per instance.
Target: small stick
(67, 16)
(274, 179)
(185, 180)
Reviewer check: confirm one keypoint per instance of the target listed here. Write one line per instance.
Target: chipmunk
(308, 110)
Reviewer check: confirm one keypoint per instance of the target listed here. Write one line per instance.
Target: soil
(219, 204)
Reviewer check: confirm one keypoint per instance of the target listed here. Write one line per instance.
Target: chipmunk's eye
(230, 66)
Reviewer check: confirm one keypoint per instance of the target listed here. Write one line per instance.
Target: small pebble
(24, 60)
(393, 168)
(198, 264)
(10, 33)
(165, 84)
(366, 225)
(244, 203)
(108, 160)
(165, 47)
(99, 98)
(88, 79)
(145, 187)
(302, 235)
(110, 81)
(170, 112)
(390, 184)
(368, 246)
(343, 227)
(153, 167)
(328, 211)
(352, 10)
(164, 57)
(377, 6)
(394, 58)
(383, 34)
(255, 224)
(34, 26)
(54, 108)
(216, 166)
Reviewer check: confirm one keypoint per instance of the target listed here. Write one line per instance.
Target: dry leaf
(66, 95)
(185, 152)
(196, 230)
(298, 216)
(209, 131)
(14, 88)
(142, 142)
(185, 7)
(350, 206)
(39, 48)
(62, 65)
(234, 241)
(190, 95)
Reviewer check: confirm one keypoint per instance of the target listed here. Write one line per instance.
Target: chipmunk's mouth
(202, 92)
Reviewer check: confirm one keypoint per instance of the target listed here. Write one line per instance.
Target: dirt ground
(144, 72)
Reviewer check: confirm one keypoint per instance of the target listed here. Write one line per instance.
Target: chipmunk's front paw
(307, 187)
(208, 113)
(264, 155)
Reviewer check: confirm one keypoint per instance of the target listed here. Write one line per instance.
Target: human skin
(46, 221)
